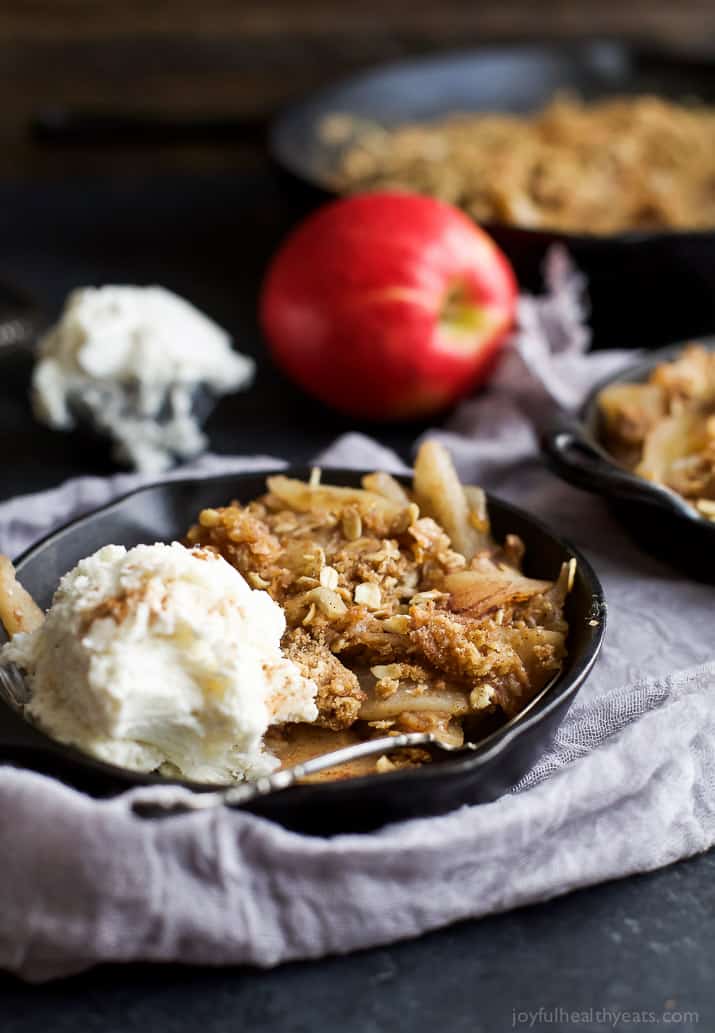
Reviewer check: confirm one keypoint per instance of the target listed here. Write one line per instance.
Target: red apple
(388, 305)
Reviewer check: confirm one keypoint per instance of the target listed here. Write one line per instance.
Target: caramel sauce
(294, 744)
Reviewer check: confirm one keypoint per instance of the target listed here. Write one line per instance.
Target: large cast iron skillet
(164, 512)
(658, 519)
(646, 288)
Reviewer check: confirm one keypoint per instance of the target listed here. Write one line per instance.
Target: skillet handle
(580, 462)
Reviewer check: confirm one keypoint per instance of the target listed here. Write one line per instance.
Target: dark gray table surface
(637, 947)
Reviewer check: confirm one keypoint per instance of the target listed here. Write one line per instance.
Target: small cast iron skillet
(657, 518)
(646, 287)
(164, 512)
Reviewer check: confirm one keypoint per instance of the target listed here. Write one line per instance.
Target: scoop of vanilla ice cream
(133, 357)
(163, 657)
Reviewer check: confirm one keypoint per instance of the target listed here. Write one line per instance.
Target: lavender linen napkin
(628, 785)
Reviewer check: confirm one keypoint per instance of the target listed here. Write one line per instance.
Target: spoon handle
(20, 331)
(180, 802)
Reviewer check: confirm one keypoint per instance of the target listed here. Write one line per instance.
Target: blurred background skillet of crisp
(599, 151)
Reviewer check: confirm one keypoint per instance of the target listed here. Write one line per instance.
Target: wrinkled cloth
(628, 784)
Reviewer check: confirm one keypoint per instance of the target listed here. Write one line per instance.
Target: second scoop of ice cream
(132, 361)
(163, 657)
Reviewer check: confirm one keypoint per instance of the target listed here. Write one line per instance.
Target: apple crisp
(664, 429)
(615, 165)
(399, 604)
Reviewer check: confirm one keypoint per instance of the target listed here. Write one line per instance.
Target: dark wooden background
(227, 57)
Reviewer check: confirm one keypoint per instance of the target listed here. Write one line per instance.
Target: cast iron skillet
(164, 512)
(647, 288)
(658, 519)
